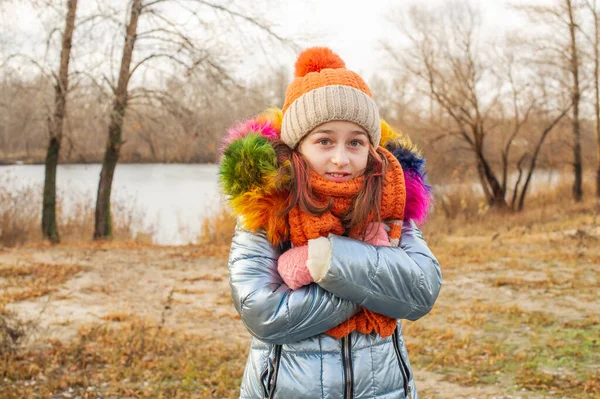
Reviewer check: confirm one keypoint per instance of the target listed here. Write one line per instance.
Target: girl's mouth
(338, 177)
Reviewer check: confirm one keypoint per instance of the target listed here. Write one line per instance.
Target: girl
(326, 257)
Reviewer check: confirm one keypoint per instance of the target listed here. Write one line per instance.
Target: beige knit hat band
(330, 103)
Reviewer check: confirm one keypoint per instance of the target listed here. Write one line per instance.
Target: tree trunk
(532, 166)
(576, 96)
(103, 217)
(536, 152)
(577, 165)
(598, 173)
(597, 92)
(484, 184)
(49, 225)
(513, 203)
(505, 169)
(496, 198)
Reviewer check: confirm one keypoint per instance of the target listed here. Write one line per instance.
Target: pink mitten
(377, 235)
(292, 267)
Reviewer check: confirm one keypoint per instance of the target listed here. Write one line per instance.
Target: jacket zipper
(272, 374)
(347, 364)
(403, 366)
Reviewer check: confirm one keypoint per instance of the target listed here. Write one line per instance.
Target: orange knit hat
(324, 90)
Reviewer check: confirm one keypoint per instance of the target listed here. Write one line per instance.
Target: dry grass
(102, 288)
(215, 235)
(137, 359)
(549, 251)
(188, 291)
(118, 317)
(519, 305)
(12, 332)
(459, 212)
(20, 217)
(204, 277)
(19, 214)
(22, 282)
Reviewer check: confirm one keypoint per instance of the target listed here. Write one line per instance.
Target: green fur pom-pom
(244, 164)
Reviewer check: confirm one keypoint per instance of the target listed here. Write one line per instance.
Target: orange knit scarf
(304, 227)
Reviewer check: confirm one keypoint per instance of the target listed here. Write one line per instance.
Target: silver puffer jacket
(290, 357)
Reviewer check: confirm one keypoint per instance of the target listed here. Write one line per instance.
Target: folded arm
(269, 309)
(401, 282)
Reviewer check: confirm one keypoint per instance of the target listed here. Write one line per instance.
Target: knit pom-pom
(316, 58)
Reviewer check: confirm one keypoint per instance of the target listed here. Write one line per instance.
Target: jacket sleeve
(270, 310)
(400, 282)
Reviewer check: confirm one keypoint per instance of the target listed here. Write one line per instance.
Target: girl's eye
(324, 141)
(356, 143)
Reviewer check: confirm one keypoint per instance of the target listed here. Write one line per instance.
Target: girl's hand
(377, 235)
(292, 267)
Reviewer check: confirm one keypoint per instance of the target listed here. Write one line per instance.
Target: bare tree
(595, 42)
(519, 114)
(560, 49)
(526, 100)
(55, 123)
(53, 87)
(549, 117)
(452, 70)
(21, 112)
(103, 222)
(486, 97)
(55, 113)
(576, 96)
(153, 39)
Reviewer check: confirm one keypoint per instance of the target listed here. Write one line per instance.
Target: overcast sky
(352, 28)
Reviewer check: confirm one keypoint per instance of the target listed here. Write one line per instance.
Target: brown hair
(294, 175)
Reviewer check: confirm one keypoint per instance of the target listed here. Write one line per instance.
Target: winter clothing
(357, 285)
(289, 345)
(304, 226)
(376, 234)
(292, 267)
(292, 264)
(249, 174)
(324, 90)
(290, 357)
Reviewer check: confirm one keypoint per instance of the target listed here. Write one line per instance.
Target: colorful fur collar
(248, 174)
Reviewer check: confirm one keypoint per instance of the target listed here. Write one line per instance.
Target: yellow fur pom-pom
(261, 211)
(273, 115)
(391, 135)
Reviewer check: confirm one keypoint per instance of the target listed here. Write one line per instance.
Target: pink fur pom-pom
(418, 197)
(264, 128)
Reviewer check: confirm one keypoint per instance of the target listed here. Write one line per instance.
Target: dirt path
(168, 285)
(186, 292)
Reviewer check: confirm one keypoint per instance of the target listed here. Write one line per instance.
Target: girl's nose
(340, 157)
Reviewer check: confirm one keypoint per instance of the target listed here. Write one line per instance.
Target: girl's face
(336, 150)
